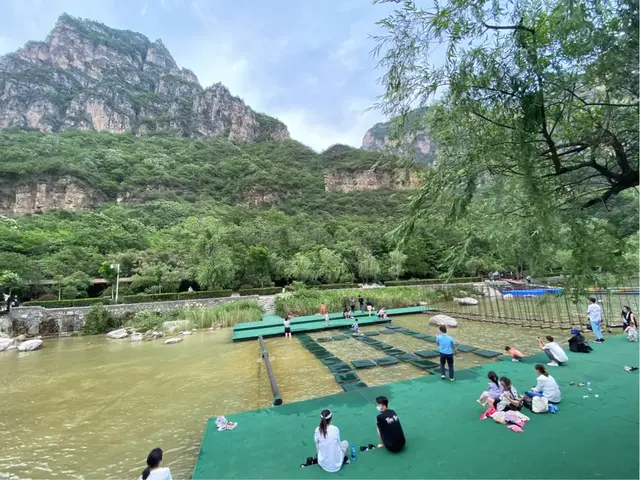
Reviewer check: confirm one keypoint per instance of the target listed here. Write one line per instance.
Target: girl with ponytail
(153, 470)
(330, 450)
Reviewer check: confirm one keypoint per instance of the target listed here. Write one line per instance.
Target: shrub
(144, 321)
(431, 281)
(307, 302)
(260, 291)
(79, 302)
(225, 315)
(98, 320)
(337, 286)
(165, 297)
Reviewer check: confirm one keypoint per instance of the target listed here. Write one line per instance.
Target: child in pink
(494, 391)
(632, 331)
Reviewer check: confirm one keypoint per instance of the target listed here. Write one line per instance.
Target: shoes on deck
(442, 377)
(552, 364)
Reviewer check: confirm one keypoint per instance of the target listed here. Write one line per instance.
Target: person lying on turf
(389, 429)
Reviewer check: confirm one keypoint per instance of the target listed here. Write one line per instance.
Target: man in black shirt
(389, 428)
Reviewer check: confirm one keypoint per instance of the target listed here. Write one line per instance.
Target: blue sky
(306, 62)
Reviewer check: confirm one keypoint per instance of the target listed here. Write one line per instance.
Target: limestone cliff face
(37, 196)
(415, 142)
(370, 180)
(88, 76)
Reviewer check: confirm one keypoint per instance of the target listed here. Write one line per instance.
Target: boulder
(5, 343)
(118, 334)
(12, 347)
(175, 325)
(150, 335)
(30, 345)
(466, 301)
(21, 338)
(445, 320)
(186, 332)
(4, 335)
(169, 341)
(136, 337)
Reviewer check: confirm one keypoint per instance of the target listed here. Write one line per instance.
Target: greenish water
(91, 407)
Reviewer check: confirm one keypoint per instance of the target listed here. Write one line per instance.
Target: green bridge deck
(271, 325)
(588, 438)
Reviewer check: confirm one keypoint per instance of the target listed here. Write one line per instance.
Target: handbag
(539, 405)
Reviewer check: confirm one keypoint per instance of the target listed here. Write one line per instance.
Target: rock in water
(466, 301)
(136, 337)
(445, 320)
(21, 338)
(5, 343)
(30, 345)
(118, 334)
(169, 341)
(186, 332)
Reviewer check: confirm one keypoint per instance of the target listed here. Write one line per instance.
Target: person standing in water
(447, 348)
(595, 318)
(153, 470)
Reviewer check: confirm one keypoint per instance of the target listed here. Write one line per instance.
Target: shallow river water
(91, 407)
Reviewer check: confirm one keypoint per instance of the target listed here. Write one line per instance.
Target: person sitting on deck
(382, 313)
(347, 313)
(355, 326)
(330, 450)
(515, 355)
(153, 470)
(554, 352)
(578, 343)
(546, 386)
(389, 428)
(493, 391)
(509, 399)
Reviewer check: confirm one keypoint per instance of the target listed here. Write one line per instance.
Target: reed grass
(226, 315)
(307, 302)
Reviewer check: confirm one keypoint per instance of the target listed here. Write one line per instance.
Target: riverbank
(445, 438)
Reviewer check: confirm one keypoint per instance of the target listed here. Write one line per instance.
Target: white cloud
(143, 11)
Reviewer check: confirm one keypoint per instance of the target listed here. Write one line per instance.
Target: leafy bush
(225, 315)
(337, 286)
(260, 291)
(144, 321)
(80, 302)
(307, 302)
(98, 320)
(431, 281)
(165, 297)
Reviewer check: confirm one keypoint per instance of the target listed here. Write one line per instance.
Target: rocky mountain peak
(88, 76)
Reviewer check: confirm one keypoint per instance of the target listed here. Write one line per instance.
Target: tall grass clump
(307, 302)
(225, 315)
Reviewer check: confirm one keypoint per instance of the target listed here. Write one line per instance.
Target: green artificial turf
(589, 438)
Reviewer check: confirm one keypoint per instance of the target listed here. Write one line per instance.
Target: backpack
(539, 405)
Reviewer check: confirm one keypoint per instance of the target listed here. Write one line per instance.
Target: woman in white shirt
(331, 451)
(545, 386)
(153, 470)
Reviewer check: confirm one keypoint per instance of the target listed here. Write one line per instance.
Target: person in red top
(324, 313)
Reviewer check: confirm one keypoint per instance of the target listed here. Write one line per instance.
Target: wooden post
(277, 399)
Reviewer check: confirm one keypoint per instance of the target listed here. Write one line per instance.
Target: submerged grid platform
(593, 437)
(272, 325)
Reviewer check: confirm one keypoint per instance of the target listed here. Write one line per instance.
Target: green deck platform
(272, 325)
(588, 438)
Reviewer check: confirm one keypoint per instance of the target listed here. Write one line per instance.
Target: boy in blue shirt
(447, 348)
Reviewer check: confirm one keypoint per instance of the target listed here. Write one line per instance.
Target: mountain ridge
(88, 76)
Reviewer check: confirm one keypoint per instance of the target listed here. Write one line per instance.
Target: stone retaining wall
(53, 321)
